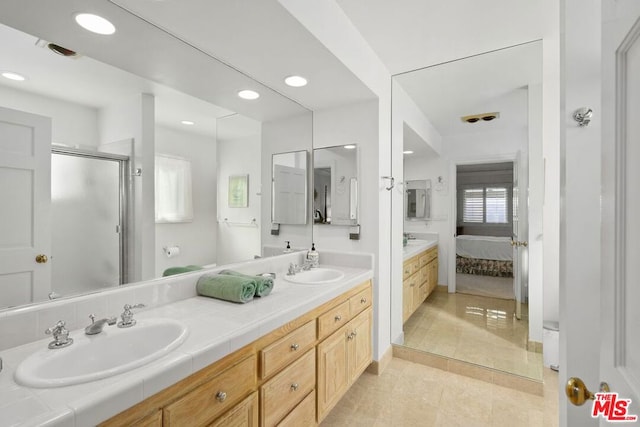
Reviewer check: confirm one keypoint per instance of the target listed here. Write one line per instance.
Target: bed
(484, 255)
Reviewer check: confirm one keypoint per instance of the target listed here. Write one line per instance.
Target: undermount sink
(109, 353)
(316, 276)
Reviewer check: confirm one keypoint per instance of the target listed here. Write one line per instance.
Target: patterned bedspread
(484, 267)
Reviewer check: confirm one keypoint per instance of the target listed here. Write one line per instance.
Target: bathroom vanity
(419, 274)
(284, 359)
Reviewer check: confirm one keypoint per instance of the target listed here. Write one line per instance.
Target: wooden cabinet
(244, 414)
(341, 360)
(292, 376)
(420, 278)
(211, 399)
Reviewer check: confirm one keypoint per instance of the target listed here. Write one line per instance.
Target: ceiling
(176, 43)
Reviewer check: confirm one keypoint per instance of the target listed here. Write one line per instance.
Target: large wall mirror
(481, 113)
(157, 127)
(335, 185)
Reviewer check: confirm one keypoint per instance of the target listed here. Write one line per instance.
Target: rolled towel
(264, 285)
(229, 288)
(179, 270)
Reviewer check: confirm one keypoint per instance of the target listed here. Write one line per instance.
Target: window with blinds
(488, 205)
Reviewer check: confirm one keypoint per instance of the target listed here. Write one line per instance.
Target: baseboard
(377, 367)
(534, 346)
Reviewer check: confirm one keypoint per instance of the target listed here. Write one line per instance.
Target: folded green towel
(229, 288)
(264, 285)
(179, 270)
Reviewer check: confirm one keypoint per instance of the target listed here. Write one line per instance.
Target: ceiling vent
(56, 48)
(485, 117)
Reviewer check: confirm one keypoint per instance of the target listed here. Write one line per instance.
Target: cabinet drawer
(424, 274)
(432, 254)
(359, 302)
(303, 415)
(423, 259)
(284, 351)
(244, 414)
(284, 391)
(409, 267)
(333, 319)
(211, 399)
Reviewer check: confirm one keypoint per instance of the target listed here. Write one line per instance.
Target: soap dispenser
(313, 256)
(288, 248)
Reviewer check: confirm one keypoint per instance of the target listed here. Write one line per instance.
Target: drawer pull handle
(338, 318)
(294, 387)
(221, 396)
(294, 347)
(363, 301)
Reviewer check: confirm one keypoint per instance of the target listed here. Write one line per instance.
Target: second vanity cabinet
(292, 376)
(419, 279)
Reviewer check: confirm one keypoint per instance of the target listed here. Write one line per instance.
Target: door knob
(41, 259)
(578, 393)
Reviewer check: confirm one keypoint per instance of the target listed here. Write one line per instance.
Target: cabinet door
(244, 414)
(333, 378)
(359, 344)
(407, 298)
(303, 415)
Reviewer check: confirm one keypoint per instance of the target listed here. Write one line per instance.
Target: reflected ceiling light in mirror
(248, 94)
(407, 152)
(349, 147)
(13, 76)
(188, 122)
(95, 24)
(295, 81)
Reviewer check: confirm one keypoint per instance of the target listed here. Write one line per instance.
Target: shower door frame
(123, 228)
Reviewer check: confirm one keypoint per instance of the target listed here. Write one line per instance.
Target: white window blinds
(473, 205)
(485, 205)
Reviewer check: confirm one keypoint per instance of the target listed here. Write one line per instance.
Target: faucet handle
(127, 315)
(60, 335)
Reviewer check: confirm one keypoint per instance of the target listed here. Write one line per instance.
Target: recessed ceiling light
(407, 152)
(188, 122)
(13, 76)
(349, 147)
(295, 81)
(95, 24)
(248, 94)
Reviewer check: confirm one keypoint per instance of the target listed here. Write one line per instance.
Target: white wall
(329, 24)
(72, 124)
(351, 124)
(240, 156)
(282, 136)
(196, 239)
(134, 118)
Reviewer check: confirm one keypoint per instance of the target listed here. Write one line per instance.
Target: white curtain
(173, 189)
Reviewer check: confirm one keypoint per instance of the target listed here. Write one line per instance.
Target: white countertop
(415, 246)
(216, 329)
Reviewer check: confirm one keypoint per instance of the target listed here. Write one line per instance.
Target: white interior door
(289, 191)
(25, 192)
(620, 288)
(599, 252)
(515, 239)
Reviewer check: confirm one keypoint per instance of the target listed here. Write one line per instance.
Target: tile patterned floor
(409, 394)
(474, 329)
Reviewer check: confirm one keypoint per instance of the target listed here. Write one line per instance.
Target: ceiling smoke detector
(485, 117)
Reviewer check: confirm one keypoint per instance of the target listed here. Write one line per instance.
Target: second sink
(316, 276)
(95, 357)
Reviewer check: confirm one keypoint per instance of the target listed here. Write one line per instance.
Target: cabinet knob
(294, 387)
(294, 347)
(363, 301)
(351, 336)
(338, 318)
(221, 396)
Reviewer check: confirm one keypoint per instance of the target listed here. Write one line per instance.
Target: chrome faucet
(294, 268)
(60, 335)
(127, 316)
(96, 327)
